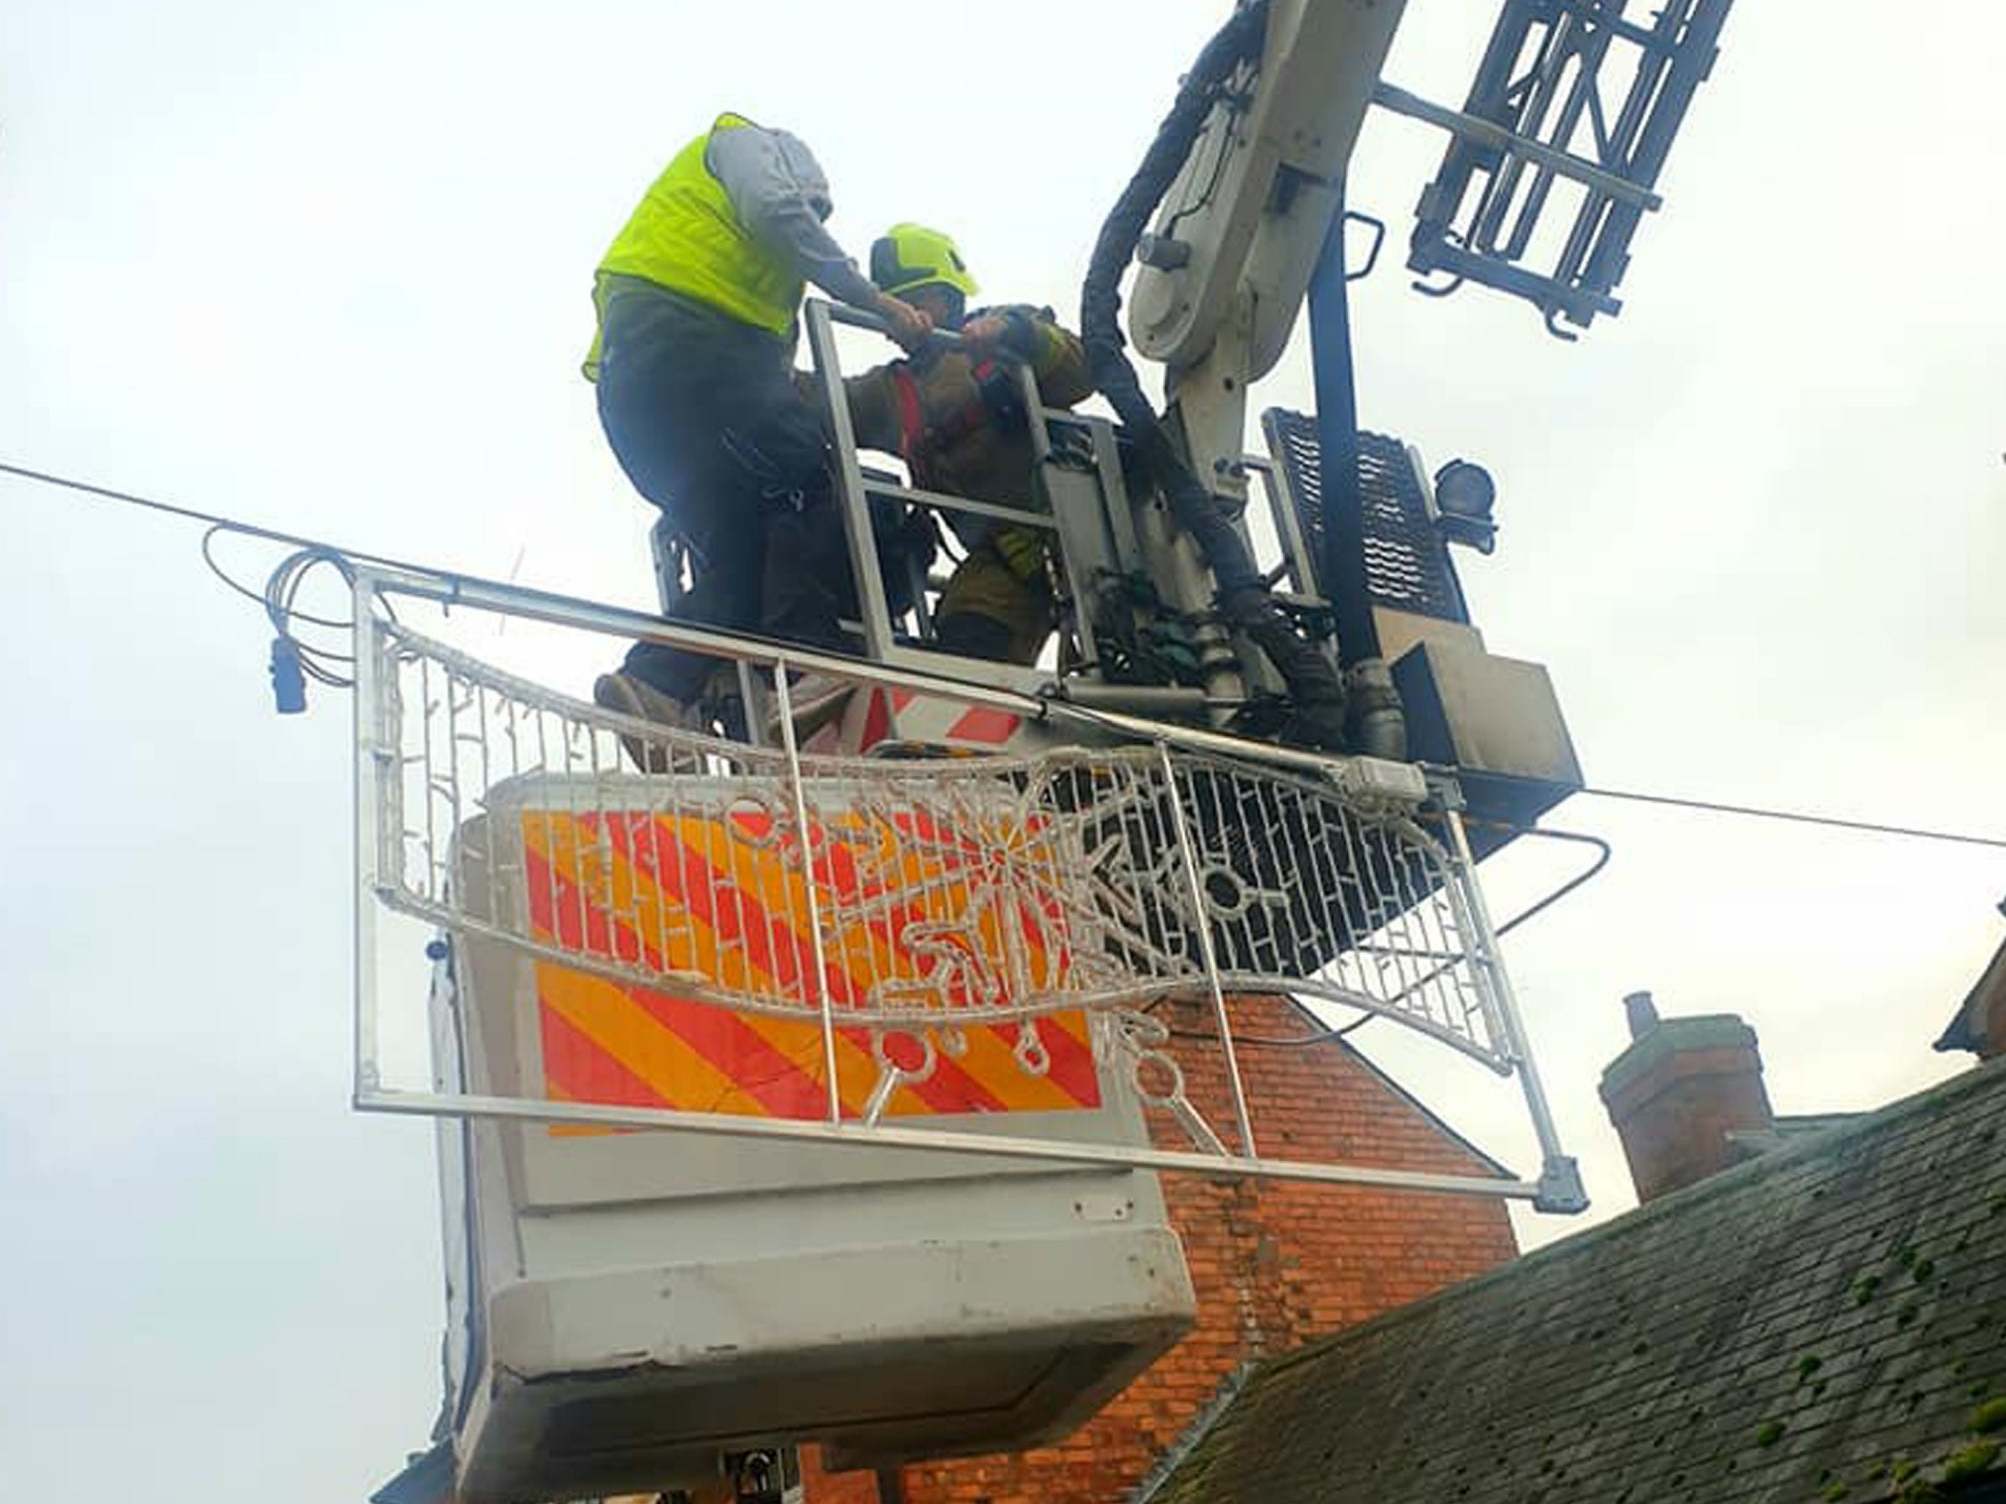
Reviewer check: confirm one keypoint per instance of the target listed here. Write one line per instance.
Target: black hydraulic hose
(1244, 599)
(1100, 295)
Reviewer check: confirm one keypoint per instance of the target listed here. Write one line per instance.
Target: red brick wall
(1274, 1264)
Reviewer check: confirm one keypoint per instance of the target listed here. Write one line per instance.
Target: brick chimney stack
(1678, 1091)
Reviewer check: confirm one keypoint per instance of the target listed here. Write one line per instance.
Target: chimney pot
(1642, 1012)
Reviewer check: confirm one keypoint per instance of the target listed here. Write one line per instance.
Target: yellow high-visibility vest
(686, 237)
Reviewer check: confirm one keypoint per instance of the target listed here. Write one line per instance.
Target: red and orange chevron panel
(711, 895)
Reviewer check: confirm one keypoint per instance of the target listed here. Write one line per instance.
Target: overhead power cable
(219, 520)
(292, 657)
(1798, 817)
(225, 523)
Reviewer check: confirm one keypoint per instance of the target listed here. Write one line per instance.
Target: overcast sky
(327, 267)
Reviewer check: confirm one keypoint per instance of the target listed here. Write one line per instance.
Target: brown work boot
(625, 695)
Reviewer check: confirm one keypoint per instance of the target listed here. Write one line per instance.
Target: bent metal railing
(908, 900)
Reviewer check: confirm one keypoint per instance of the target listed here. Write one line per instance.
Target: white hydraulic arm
(1245, 177)
(1224, 275)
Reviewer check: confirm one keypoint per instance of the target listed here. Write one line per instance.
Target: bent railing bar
(1484, 955)
(374, 750)
(1207, 949)
(377, 744)
(797, 786)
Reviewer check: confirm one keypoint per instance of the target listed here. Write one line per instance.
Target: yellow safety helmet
(909, 256)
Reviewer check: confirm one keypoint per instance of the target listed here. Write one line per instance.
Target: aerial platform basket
(627, 1307)
(899, 1016)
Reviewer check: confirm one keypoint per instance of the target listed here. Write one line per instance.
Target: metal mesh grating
(1406, 562)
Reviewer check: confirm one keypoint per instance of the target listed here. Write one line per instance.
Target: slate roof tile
(1811, 1320)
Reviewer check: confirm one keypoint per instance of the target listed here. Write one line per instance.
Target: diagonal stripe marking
(605, 1014)
(953, 1087)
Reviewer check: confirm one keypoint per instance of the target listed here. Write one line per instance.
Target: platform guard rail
(437, 734)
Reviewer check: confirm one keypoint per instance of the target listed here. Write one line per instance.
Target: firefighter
(956, 415)
(697, 300)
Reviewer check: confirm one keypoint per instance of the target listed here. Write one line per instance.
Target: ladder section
(1569, 92)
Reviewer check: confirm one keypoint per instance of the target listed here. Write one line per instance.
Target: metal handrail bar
(1054, 1151)
(941, 501)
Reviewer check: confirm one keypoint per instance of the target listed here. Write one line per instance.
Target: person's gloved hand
(1009, 332)
(982, 336)
(909, 326)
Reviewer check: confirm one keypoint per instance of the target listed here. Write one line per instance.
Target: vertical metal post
(1034, 411)
(369, 755)
(1120, 509)
(852, 500)
(1587, 61)
(1075, 571)
(752, 696)
(1188, 848)
(1303, 572)
(1492, 964)
(785, 700)
(1341, 570)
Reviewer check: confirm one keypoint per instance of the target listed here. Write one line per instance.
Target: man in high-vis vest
(697, 299)
(957, 418)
